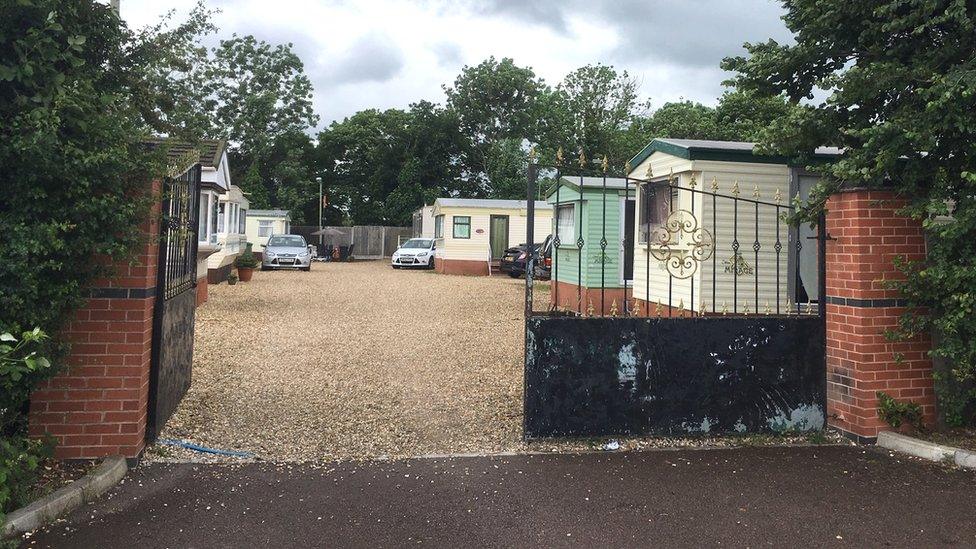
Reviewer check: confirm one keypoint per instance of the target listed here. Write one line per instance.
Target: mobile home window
(462, 226)
(243, 222)
(439, 226)
(221, 216)
(656, 203)
(265, 226)
(566, 223)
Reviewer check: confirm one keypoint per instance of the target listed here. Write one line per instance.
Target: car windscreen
(417, 243)
(286, 242)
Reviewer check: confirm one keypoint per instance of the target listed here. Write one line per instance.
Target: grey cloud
(448, 54)
(678, 32)
(372, 58)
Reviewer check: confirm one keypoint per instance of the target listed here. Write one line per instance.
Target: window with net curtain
(566, 224)
(462, 226)
(656, 200)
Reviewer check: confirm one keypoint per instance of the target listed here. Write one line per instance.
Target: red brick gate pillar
(868, 235)
(98, 405)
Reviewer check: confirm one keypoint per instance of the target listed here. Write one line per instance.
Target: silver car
(286, 251)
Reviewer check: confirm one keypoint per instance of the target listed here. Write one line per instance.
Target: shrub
(896, 413)
(20, 456)
(246, 260)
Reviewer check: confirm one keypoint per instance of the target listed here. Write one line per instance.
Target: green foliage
(20, 460)
(246, 260)
(20, 363)
(380, 166)
(894, 84)
(73, 172)
(896, 413)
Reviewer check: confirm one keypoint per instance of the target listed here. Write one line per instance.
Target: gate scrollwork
(680, 244)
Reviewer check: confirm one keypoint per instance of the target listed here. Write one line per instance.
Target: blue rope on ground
(197, 448)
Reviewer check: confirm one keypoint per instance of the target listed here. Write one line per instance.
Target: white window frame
(439, 226)
(566, 240)
(207, 227)
(265, 228)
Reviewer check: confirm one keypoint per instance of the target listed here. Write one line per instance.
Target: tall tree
(494, 100)
(893, 83)
(591, 110)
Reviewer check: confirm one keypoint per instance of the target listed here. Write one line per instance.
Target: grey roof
(612, 182)
(742, 146)
(735, 151)
(489, 203)
(269, 213)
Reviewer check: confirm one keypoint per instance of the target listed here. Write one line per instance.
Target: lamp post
(319, 179)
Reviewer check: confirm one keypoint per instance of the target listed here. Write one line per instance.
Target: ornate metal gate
(720, 332)
(173, 317)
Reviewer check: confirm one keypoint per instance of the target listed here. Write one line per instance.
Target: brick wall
(98, 405)
(860, 309)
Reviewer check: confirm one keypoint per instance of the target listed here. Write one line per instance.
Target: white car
(416, 252)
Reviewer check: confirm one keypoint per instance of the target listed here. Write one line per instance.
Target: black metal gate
(721, 335)
(174, 313)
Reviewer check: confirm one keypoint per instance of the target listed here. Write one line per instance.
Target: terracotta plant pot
(245, 274)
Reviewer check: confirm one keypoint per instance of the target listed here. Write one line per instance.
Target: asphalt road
(812, 496)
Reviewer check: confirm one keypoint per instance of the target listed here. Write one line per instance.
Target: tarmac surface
(796, 496)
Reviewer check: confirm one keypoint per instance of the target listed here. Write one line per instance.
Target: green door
(498, 236)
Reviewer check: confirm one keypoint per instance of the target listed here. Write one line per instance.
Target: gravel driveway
(356, 360)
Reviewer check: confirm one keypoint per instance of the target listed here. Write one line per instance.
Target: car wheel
(430, 263)
(307, 269)
(265, 268)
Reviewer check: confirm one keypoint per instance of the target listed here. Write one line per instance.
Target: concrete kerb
(65, 499)
(926, 450)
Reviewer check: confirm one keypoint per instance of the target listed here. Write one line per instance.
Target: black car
(513, 260)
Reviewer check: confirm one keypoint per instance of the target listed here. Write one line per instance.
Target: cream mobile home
(472, 234)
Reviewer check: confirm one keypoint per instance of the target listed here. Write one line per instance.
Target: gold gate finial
(725, 308)
(714, 184)
(735, 188)
(755, 191)
(702, 308)
(613, 308)
(745, 310)
(582, 159)
(778, 196)
(767, 310)
(605, 164)
(650, 173)
(693, 183)
(635, 308)
(559, 157)
(659, 309)
(589, 308)
(627, 168)
(681, 307)
(532, 153)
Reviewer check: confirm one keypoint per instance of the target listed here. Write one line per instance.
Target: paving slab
(822, 496)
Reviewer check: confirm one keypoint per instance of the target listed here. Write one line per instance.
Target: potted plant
(246, 263)
(232, 279)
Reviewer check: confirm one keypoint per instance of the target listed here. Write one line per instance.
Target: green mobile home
(597, 209)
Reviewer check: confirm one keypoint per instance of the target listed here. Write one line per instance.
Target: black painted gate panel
(634, 376)
(174, 313)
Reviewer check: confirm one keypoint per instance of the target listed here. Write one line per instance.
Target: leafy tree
(507, 164)
(684, 120)
(591, 111)
(894, 84)
(494, 100)
(744, 116)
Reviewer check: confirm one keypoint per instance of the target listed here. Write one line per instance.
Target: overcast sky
(389, 53)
